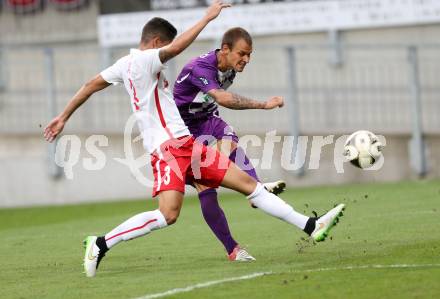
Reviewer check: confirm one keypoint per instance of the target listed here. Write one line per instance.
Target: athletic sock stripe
(130, 230)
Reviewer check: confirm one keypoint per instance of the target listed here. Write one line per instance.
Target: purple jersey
(198, 77)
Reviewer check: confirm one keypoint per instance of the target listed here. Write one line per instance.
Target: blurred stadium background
(342, 65)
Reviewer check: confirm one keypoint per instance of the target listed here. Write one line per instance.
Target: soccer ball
(363, 149)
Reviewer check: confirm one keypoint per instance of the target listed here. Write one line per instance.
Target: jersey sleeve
(113, 74)
(152, 62)
(204, 77)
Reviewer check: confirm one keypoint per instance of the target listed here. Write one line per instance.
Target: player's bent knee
(170, 216)
(171, 220)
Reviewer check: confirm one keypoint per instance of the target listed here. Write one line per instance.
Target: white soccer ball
(363, 149)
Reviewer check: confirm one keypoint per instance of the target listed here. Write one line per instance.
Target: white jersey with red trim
(157, 115)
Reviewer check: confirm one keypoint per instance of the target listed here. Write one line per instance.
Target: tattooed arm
(234, 101)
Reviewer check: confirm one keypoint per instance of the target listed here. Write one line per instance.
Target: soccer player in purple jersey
(200, 86)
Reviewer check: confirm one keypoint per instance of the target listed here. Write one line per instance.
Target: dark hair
(235, 34)
(158, 27)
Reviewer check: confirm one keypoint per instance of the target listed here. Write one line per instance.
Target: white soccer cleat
(92, 256)
(325, 223)
(275, 187)
(240, 255)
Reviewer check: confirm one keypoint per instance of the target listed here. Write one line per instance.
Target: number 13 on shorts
(169, 173)
(162, 178)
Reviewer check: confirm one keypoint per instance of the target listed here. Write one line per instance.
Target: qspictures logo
(303, 152)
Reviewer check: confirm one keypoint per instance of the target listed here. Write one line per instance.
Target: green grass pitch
(387, 245)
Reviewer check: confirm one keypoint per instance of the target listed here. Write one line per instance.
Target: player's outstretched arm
(234, 101)
(55, 127)
(186, 38)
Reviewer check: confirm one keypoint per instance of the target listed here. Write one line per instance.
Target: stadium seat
(69, 4)
(25, 6)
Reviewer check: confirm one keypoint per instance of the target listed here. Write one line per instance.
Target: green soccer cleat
(326, 222)
(92, 256)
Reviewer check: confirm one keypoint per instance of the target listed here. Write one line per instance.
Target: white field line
(203, 285)
(254, 275)
(360, 267)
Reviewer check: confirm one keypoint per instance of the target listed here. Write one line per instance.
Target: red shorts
(185, 160)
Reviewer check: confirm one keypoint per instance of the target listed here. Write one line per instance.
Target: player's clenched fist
(274, 102)
(214, 10)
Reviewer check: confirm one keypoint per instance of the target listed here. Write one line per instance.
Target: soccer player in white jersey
(175, 156)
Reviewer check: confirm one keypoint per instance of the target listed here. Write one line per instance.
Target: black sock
(310, 225)
(100, 242)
